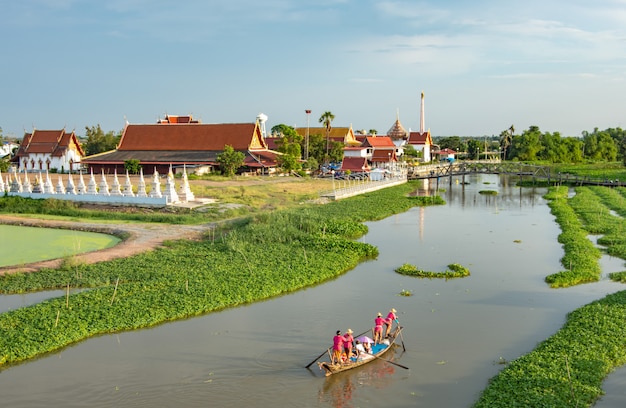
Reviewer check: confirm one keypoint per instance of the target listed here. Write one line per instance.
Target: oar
(401, 338)
(317, 358)
(391, 362)
(325, 351)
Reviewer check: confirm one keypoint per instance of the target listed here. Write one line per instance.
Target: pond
(457, 332)
(33, 244)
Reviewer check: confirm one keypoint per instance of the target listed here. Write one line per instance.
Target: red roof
(383, 155)
(204, 137)
(419, 138)
(355, 164)
(378, 142)
(53, 142)
(445, 151)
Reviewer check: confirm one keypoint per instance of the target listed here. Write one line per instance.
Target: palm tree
(506, 139)
(326, 118)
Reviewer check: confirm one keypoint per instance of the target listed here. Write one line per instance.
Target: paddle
(326, 351)
(317, 358)
(401, 338)
(391, 362)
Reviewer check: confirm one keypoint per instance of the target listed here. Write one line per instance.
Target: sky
(483, 65)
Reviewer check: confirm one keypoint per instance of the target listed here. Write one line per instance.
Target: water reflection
(339, 389)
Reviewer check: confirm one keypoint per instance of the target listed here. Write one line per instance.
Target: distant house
(381, 150)
(445, 154)
(49, 150)
(179, 142)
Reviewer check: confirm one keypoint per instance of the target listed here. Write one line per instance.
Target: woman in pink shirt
(378, 328)
(337, 348)
(389, 321)
(347, 344)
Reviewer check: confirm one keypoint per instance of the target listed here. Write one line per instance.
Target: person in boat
(360, 348)
(347, 344)
(367, 347)
(378, 328)
(337, 348)
(391, 317)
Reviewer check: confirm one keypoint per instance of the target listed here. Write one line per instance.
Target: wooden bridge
(463, 168)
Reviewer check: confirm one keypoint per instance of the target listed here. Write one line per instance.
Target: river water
(457, 332)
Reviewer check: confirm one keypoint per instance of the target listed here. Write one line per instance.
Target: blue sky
(483, 65)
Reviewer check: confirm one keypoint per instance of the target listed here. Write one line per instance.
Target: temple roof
(397, 131)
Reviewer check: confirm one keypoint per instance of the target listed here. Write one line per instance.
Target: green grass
(453, 271)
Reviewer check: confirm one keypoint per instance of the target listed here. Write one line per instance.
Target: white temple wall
(100, 199)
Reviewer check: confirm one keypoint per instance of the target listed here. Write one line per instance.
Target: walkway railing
(349, 188)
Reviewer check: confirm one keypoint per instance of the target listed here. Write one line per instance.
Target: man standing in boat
(337, 347)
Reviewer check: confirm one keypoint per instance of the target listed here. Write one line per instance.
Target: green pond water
(22, 245)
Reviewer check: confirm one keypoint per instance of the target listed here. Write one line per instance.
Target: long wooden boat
(377, 351)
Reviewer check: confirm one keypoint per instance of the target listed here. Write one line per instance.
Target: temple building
(181, 141)
(49, 150)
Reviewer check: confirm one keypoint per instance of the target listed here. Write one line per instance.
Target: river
(457, 332)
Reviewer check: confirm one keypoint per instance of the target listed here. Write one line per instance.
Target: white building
(46, 150)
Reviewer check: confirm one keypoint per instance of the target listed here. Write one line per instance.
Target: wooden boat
(377, 351)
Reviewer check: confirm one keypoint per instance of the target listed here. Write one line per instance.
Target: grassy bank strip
(581, 256)
(567, 369)
(454, 271)
(173, 215)
(263, 256)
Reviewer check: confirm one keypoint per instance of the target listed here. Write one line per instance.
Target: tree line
(534, 145)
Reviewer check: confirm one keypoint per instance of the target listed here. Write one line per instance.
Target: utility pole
(306, 137)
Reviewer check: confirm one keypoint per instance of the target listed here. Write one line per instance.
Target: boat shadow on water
(339, 390)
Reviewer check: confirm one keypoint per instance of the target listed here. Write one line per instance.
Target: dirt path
(143, 237)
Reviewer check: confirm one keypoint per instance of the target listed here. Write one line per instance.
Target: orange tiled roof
(207, 137)
(378, 142)
(52, 142)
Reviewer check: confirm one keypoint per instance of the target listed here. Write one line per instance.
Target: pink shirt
(347, 340)
(338, 342)
(379, 321)
(391, 317)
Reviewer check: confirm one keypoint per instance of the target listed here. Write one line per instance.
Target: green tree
(98, 141)
(230, 160)
(132, 166)
(573, 148)
(473, 148)
(452, 142)
(506, 139)
(326, 119)
(527, 146)
(4, 165)
(289, 141)
(409, 151)
(289, 163)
